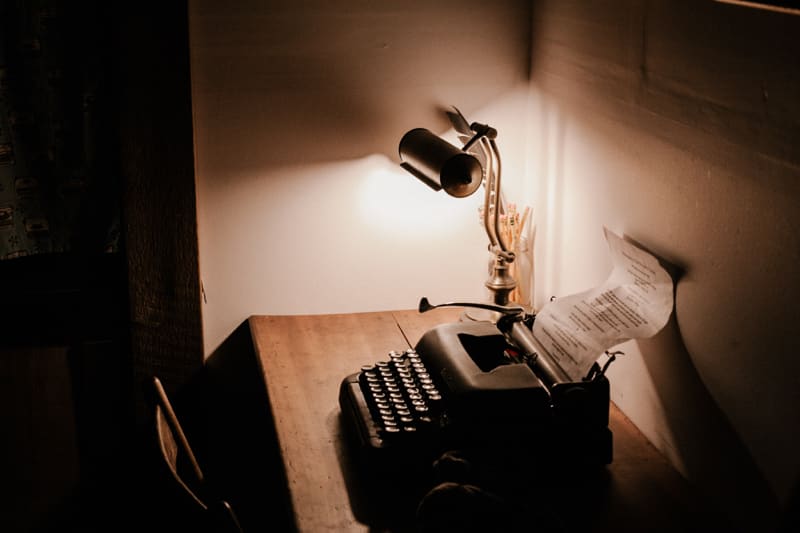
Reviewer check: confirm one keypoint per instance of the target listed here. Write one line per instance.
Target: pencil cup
(522, 270)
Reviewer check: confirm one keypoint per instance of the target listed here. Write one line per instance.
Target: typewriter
(477, 385)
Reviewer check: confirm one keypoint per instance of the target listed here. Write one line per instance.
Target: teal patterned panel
(58, 188)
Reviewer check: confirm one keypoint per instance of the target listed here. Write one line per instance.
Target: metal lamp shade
(439, 164)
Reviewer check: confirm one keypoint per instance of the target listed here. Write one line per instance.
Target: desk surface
(305, 358)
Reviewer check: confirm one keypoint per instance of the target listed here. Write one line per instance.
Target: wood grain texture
(305, 358)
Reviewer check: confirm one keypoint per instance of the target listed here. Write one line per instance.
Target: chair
(195, 502)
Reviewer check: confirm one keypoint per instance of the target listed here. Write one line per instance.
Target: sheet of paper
(633, 303)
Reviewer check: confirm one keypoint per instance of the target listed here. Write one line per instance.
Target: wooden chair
(194, 504)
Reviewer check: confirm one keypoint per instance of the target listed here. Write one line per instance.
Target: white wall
(675, 123)
(299, 108)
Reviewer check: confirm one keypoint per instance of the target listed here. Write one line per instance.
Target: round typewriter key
(409, 429)
(404, 412)
(379, 395)
(386, 412)
(390, 422)
(428, 386)
(421, 408)
(395, 395)
(393, 388)
(423, 375)
(391, 429)
(407, 419)
(434, 397)
(415, 396)
(417, 402)
(425, 419)
(384, 405)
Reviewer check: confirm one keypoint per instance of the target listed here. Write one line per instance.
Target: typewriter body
(476, 385)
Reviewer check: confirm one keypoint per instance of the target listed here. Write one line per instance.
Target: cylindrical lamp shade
(439, 164)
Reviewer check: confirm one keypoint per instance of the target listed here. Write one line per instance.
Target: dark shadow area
(342, 83)
(66, 391)
(227, 415)
(720, 465)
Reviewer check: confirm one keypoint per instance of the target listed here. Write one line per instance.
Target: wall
(299, 108)
(673, 123)
(676, 124)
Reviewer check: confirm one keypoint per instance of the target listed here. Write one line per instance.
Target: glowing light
(399, 207)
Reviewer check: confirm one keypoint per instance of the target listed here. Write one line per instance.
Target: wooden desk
(305, 358)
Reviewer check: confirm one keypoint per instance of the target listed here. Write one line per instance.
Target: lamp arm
(488, 184)
(493, 197)
(497, 199)
(485, 137)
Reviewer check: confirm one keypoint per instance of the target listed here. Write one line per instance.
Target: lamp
(460, 172)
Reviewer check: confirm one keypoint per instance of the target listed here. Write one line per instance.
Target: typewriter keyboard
(401, 395)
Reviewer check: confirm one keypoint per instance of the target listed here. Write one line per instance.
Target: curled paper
(635, 302)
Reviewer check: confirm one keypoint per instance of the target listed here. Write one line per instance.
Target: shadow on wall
(712, 453)
(227, 416)
(298, 84)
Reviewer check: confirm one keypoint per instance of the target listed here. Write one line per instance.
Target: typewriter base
(390, 480)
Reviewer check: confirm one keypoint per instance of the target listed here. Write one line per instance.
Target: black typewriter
(394, 407)
(475, 384)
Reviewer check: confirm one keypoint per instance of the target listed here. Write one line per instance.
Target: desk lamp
(460, 172)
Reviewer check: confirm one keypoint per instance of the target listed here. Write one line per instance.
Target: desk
(305, 358)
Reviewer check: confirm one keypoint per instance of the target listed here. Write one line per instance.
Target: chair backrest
(174, 448)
